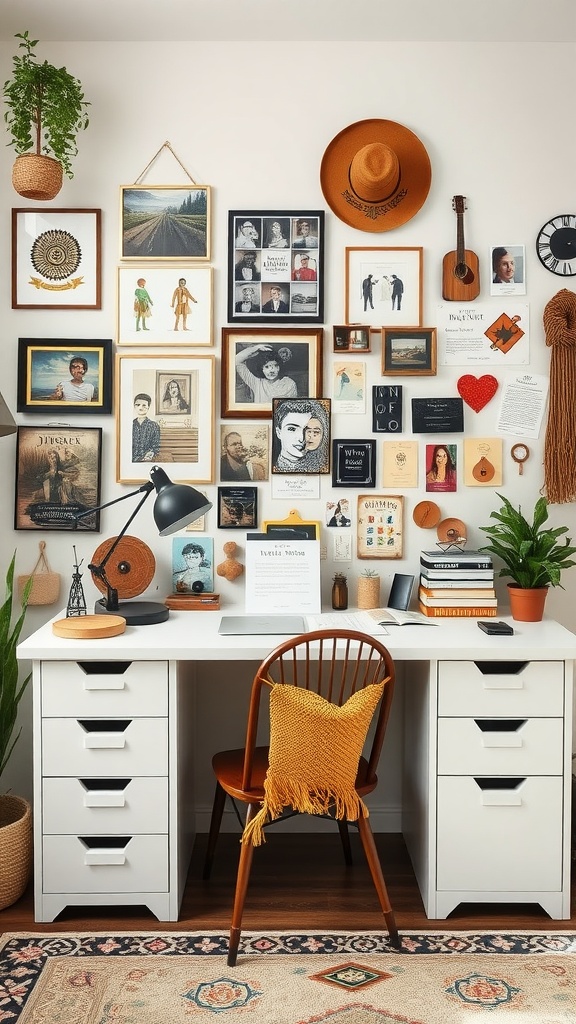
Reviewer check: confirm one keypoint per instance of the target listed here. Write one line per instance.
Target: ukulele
(460, 273)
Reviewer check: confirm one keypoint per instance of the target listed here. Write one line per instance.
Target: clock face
(556, 245)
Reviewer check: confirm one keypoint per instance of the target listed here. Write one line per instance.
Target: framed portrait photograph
(441, 467)
(192, 565)
(351, 339)
(58, 472)
(56, 259)
(164, 305)
(276, 266)
(380, 526)
(384, 286)
(260, 364)
(507, 270)
(407, 352)
(244, 452)
(164, 408)
(164, 222)
(353, 463)
(64, 374)
(237, 508)
(301, 435)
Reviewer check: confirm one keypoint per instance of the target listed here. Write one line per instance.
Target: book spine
(453, 564)
(458, 586)
(460, 579)
(470, 594)
(475, 613)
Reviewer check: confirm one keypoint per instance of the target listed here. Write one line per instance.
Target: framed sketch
(276, 266)
(56, 259)
(353, 463)
(301, 435)
(244, 452)
(67, 375)
(192, 565)
(380, 526)
(384, 286)
(260, 364)
(164, 415)
(165, 222)
(164, 305)
(237, 508)
(407, 352)
(351, 339)
(57, 477)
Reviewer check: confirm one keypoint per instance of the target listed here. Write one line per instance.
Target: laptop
(252, 625)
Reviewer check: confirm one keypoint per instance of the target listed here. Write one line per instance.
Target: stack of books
(457, 583)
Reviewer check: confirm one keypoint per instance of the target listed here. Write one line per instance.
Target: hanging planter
(37, 177)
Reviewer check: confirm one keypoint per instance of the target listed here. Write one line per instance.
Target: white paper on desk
(282, 575)
(395, 617)
(358, 621)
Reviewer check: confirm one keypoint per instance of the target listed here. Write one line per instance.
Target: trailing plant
(531, 555)
(10, 689)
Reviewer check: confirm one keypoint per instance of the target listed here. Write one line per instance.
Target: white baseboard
(382, 819)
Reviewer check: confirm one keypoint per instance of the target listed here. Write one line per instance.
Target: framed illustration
(192, 566)
(353, 463)
(64, 374)
(164, 305)
(276, 266)
(164, 408)
(244, 451)
(56, 259)
(409, 353)
(384, 286)
(57, 477)
(293, 526)
(237, 508)
(441, 467)
(351, 339)
(260, 364)
(380, 526)
(165, 222)
(301, 435)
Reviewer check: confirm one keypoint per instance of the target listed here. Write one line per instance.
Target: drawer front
(501, 840)
(102, 806)
(139, 747)
(70, 865)
(531, 746)
(72, 689)
(527, 689)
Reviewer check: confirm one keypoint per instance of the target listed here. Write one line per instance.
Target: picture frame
(165, 222)
(56, 259)
(276, 266)
(58, 475)
(155, 308)
(380, 526)
(293, 526)
(192, 565)
(47, 382)
(350, 339)
(301, 435)
(237, 508)
(353, 463)
(246, 392)
(183, 443)
(244, 452)
(409, 352)
(397, 301)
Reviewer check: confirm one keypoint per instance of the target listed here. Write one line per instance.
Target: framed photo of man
(66, 375)
(244, 452)
(384, 286)
(261, 364)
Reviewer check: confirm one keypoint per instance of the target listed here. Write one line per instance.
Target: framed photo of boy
(165, 222)
(62, 374)
(169, 305)
(237, 508)
(301, 435)
(56, 259)
(260, 364)
(164, 415)
(407, 352)
(384, 286)
(276, 266)
(57, 477)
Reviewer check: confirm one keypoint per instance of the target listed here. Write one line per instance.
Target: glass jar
(339, 593)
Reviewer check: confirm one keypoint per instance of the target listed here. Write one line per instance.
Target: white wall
(253, 121)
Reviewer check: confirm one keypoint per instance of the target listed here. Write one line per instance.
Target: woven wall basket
(15, 848)
(45, 583)
(37, 177)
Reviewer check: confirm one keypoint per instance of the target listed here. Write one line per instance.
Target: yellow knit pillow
(315, 747)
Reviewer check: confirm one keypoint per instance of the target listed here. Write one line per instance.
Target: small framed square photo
(64, 375)
(56, 259)
(384, 286)
(165, 222)
(301, 435)
(260, 364)
(351, 339)
(168, 305)
(244, 452)
(192, 565)
(407, 352)
(57, 477)
(353, 463)
(237, 508)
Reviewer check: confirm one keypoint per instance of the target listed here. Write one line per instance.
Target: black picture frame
(44, 363)
(237, 508)
(289, 257)
(58, 474)
(353, 463)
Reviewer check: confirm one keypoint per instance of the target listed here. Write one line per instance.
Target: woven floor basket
(15, 848)
(37, 177)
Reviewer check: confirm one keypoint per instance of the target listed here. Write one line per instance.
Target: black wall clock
(556, 245)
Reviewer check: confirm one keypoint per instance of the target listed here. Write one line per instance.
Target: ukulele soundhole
(463, 273)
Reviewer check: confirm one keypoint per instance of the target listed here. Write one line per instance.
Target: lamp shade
(7, 424)
(176, 505)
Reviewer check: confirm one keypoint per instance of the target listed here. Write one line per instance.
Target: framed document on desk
(282, 575)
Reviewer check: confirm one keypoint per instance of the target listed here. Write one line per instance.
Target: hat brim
(408, 197)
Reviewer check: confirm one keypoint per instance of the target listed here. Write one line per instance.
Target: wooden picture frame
(182, 438)
(384, 286)
(380, 526)
(409, 352)
(350, 339)
(58, 473)
(237, 508)
(155, 308)
(47, 382)
(353, 463)
(246, 391)
(56, 259)
(301, 435)
(165, 222)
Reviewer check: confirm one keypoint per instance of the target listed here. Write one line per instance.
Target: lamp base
(136, 613)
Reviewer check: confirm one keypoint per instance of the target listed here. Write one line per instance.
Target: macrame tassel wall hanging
(560, 445)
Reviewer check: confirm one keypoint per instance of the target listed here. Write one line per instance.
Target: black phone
(496, 628)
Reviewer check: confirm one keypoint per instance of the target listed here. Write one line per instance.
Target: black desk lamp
(175, 506)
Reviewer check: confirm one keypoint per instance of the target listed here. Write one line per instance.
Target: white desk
(486, 776)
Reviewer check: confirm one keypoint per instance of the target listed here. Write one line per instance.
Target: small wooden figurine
(230, 568)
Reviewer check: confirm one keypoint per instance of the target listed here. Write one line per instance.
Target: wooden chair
(336, 664)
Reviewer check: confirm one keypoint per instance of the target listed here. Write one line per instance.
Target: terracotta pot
(15, 848)
(369, 592)
(527, 605)
(37, 177)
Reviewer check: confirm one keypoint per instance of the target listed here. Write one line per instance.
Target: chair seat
(228, 766)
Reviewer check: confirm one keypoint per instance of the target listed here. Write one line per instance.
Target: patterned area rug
(288, 978)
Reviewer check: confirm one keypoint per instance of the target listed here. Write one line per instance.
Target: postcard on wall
(507, 270)
(400, 464)
(483, 461)
(338, 513)
(483, 334)
(349, 387)
(295, 488)
(441, 467)
(387, 408)
(379, 526)
(192, 565)
(522, 405)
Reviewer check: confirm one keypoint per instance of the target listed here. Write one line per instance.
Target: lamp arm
(148, 487)
(100, 570)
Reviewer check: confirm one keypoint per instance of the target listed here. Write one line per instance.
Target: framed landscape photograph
(165, 222)
(164, 305)
(57, 477)
(260, 364)
(408, 352)
(56, 259)
(276, 266)
(67, 375)
(380, 526)
(384, 286)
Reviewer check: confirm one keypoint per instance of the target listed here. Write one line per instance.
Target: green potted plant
(532, 556)
(45, 111)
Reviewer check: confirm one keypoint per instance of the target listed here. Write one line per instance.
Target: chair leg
(215, 823)
(371, 852)
(345, 837)
(242, 878)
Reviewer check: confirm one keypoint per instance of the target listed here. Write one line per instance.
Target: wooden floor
(298, 882)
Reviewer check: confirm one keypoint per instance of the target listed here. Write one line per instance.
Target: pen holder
(368, 591)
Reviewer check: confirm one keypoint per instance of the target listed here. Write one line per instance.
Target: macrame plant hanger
(165, 145)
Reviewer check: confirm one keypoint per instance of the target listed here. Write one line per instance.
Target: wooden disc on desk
(89, 627)
(426, 514)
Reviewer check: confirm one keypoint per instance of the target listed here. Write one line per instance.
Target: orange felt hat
(375, 175)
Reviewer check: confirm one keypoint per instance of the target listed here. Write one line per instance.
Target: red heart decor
(477, 391)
